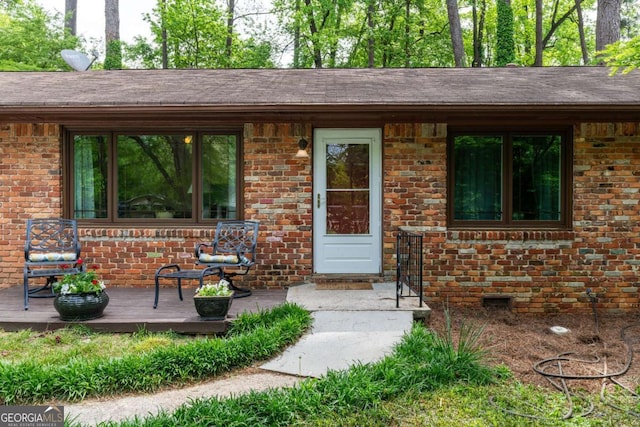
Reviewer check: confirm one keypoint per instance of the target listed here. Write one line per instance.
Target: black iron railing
(409, 267)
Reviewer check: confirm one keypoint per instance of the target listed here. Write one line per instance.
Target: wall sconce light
(302, 149)
(188, 139)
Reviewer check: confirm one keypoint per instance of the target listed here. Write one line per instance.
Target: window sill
(511, 235)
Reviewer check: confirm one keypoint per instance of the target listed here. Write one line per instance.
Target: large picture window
(512, 179)
(185, 177)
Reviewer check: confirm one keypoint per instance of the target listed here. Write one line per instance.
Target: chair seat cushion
(52, 256)
(222, 259)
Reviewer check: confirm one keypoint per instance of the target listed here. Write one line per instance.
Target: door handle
(318, 200)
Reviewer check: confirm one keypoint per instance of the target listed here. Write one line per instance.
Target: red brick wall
(30, 186)
(278, 195)
(544, 272)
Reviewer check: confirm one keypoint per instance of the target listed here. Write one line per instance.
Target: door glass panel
(348, 189)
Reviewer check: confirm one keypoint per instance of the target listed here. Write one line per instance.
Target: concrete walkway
(349, 326)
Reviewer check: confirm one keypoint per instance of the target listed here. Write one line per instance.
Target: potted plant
(80, 296)
(213, 300)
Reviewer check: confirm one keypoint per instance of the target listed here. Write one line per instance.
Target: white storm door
(347, 207)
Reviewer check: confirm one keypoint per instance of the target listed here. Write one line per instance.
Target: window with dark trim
(137, 177)
(509, 179)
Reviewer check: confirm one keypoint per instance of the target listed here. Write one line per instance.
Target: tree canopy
(31, 38)
(343, 33)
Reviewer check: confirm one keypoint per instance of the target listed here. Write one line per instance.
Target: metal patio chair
(51, 250)
(233, 251)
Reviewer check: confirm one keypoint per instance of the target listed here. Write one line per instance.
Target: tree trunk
(313, 29)
(583, 41)
(113, 57)
(370, 42)
(111, 20)
(70, 15)
(296, 38)
(165, 50)
(556, 22)
(456, 33)
(407, 34)
(230, 20)
(538, 60)
(478, 32)
(608, 23)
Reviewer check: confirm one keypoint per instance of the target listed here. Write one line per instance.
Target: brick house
(524, 182)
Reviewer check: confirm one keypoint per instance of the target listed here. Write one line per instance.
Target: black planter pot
(213, 308)
(78, 307)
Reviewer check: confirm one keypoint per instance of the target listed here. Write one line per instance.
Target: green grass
(79, 374)
(428, 380)
(59, 346)
(418, 364)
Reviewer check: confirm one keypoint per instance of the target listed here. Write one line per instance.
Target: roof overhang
(182, 115)
(337, 97)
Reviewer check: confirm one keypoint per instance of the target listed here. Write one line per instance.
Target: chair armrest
(199, 248)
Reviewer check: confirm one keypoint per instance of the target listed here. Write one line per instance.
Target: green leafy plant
(85, 282)
(77, 376)
(214, 289)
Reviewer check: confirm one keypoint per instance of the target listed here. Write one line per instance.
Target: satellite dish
(77, 60)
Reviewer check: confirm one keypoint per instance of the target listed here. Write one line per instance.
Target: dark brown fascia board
(238, 114)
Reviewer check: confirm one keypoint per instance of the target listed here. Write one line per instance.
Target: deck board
(131, 310)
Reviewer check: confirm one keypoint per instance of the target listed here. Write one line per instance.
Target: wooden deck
(131, 310)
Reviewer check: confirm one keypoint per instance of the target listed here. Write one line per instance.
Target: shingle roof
(287, 89)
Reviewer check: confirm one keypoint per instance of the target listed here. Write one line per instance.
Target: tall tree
(456, 33)
(608, 23)
(478, 32)
(370, 40)
(231, 10)
(505, 45)
(583, 41)
(296, 36)
(163, 36)
(113, 57)
(539, 32)
(70, 15)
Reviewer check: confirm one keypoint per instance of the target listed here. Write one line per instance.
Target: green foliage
(217, 289)
(343, 397)
(336, 34)
(80, 376)
(113, 57)
(505, 45)
(563, 48)
(32, 39)
(82, 283)
(622, 56)
(197, 36)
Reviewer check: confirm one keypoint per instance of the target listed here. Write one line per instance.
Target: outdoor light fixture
(302, 149)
